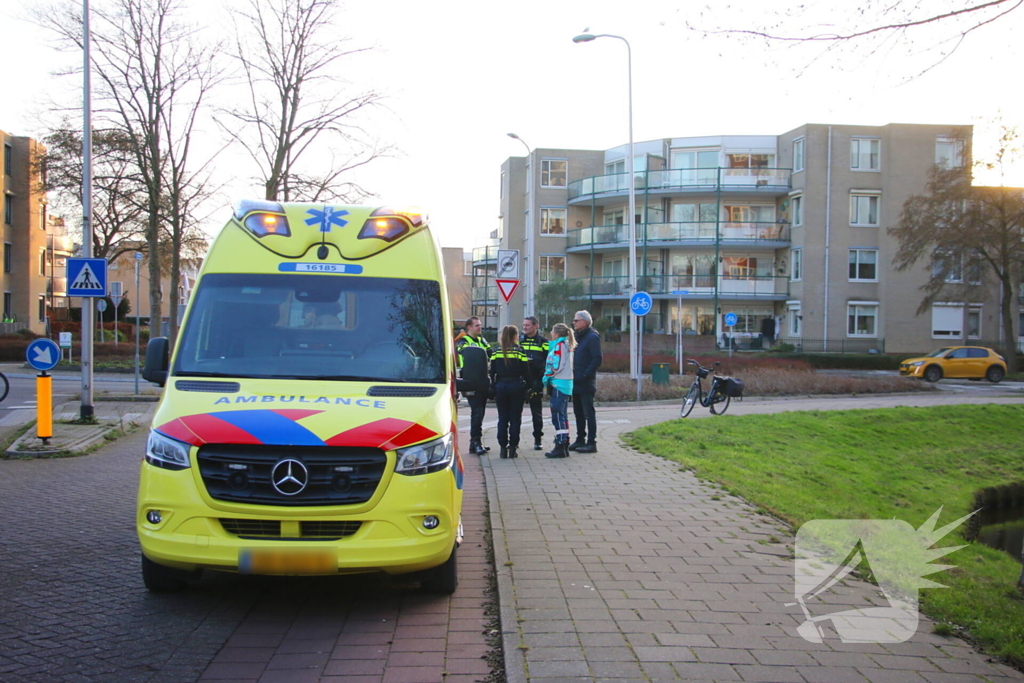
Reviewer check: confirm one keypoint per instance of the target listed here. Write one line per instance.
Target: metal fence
(834, 345)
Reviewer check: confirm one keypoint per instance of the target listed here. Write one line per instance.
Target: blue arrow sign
(731, 319)
(43, 354)
(87, 277)
(641, 303)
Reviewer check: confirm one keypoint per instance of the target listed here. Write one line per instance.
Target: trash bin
(659, 373)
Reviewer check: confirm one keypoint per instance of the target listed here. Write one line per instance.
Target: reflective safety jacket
(536, 349)
(510, 366)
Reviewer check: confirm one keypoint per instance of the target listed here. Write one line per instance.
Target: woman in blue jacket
(558, 375)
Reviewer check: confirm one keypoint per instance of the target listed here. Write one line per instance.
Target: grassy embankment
(877, 464)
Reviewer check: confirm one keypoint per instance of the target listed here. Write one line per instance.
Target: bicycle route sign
(731, 319)
(641, 303)
(42, 354)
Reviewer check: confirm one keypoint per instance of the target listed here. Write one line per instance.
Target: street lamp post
(634, 332)
(529, 271)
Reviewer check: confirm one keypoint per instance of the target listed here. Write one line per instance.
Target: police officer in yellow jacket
(535, 346)
(474, 354)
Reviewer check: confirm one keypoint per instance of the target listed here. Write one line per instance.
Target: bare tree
(969, 230)
(117, 218)
(877, 26)
(149, 67)
(297, 106)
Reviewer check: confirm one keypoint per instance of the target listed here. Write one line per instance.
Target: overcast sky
(460, 75)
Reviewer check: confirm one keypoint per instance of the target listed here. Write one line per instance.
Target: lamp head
(583, 38)
(513, 136)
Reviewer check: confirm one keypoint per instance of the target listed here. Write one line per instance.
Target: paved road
(620, 566)
(73, 607)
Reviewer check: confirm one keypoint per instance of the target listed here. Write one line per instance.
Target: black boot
(560, 450)
(588, 448)
(576, 445)
(474, 447)
(504, 452)
(513, 452)
(537, 446)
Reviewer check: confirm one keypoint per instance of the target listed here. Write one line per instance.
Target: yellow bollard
(44, 407)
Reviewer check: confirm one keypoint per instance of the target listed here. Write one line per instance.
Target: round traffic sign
(101, 305)
(42, 354)
(641, 303)
(731, 319)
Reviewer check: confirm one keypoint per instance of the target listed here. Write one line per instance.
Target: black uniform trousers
(477, 402)
(537, 412)
(509, 399)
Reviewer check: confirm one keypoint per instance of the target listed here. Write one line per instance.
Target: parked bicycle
(723, 389)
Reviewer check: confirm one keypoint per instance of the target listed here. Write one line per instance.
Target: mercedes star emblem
(289, 477)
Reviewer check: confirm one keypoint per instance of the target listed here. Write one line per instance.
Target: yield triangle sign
(507, 288)
(87, 279)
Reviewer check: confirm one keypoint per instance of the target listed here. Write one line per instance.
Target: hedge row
(13, 348)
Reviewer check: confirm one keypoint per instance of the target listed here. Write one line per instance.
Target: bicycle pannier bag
(733, 387)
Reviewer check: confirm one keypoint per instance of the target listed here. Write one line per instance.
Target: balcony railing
(695, 286)
(700, 179)
(684, 231)
(485, 253)
(481, 294)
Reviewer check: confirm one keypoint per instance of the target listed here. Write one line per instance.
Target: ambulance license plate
(286, 561)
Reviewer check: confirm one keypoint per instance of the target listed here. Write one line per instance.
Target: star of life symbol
(327, 217)
(899, 557)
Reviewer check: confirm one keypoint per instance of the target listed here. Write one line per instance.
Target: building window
(552, 268)
(43, 263)
(8, 248)
(798, 210)
(8, 308)
(740, 268)
(501, 187)
(950, 267)
(552, 221)
(861, 318)
(865, 154)
(798, 155)
(8, 209)
(797, 255)
(748, 321)
(751, 160)
(42, 308)
(8, 154)
(948, 321)
(795, 320)
(949, 153)
(467, 265)
(864, 210)
(553, 173)
(864, 265)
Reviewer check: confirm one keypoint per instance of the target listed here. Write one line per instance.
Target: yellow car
(969, 362)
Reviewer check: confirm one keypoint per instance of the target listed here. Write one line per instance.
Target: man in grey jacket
(586, 361)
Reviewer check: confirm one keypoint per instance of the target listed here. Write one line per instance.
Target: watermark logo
(896, 555)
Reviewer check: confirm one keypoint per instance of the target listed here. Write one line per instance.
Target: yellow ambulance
(307, 423)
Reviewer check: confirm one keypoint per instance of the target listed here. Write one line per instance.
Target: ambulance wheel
(443, 579)
(160, 579)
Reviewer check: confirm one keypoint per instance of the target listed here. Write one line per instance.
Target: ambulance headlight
(262, 218)
(390, 224)
(424, 458)
(165, 452)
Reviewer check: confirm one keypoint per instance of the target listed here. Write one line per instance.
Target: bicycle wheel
(5, 386)
(721, 404)
(689, 401)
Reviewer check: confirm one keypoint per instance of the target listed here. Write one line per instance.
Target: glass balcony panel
(682, 178)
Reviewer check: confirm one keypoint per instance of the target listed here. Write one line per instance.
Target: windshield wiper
(206, 374)
(335, 378)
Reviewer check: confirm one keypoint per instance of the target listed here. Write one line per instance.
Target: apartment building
(28, 248)
(788, 232)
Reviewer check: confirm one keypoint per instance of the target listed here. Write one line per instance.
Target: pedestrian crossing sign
(87, 277)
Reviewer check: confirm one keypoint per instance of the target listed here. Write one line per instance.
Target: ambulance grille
(211, 387)
(271, 529)
(241, 473)
(401, 392)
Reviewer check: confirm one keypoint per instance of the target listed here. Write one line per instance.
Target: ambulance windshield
(298, 326)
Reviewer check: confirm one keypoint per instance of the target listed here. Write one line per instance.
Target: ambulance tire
(444, 579)
(160, 579)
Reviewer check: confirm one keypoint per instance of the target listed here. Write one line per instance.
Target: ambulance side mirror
(157, 361)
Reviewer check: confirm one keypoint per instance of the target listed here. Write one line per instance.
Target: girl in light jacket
(558, 375)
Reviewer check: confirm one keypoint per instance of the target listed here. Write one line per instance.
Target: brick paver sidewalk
(620, 566)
